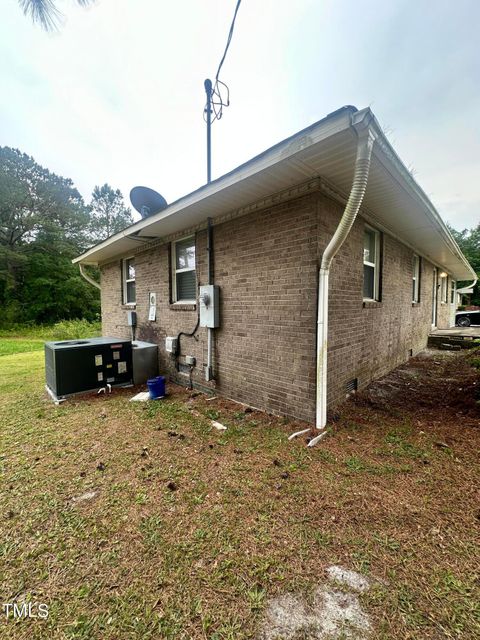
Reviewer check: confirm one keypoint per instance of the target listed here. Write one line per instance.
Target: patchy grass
(189, 531)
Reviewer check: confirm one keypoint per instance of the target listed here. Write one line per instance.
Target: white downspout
(360, 178)
(366, 139)
(87, 277)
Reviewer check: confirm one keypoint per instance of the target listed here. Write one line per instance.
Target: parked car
(467, 318)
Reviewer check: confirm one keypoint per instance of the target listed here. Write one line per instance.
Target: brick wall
(367, 340)
(266, 266)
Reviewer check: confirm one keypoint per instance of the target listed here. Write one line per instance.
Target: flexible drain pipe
(87, 277)
(467, 286)
(366, 138)
(360, 178)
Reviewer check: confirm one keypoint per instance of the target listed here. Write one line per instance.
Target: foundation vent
(351, 386)
(183, 369)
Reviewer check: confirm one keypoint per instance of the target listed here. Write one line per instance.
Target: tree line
(44, 223)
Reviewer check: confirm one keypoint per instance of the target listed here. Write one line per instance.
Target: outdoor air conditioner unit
(73, 366)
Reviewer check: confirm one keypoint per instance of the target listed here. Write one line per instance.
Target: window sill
(129, 305)
(415, 304)
(371, 304)
(183, 306)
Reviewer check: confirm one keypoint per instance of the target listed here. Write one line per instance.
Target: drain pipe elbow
(467, 286)
(87, 277)
(359, 185)
(471, 285)
(366, 139)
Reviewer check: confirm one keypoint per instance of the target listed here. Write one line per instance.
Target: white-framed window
(443, 288)
(184, 277)
(453, 286)
(371, 264)
(128, 272)
(416, 278)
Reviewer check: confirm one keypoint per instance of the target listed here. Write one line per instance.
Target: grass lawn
(135, 520)
(9, 346)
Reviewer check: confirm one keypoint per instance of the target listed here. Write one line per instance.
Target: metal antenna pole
(208, 110)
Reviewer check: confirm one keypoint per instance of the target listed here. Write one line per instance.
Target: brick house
(332, 267)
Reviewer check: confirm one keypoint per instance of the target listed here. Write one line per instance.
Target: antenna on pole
(215, 100)
(208, 112)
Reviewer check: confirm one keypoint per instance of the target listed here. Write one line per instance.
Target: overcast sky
(117, 95)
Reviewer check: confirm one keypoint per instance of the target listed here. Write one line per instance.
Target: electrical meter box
(209, 306)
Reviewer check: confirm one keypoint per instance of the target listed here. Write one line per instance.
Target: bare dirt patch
(444, 380)
(330, 614)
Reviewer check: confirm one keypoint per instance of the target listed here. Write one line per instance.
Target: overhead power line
(215, 100)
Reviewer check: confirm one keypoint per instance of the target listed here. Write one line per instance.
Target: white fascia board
(334, 123)
(187, 211)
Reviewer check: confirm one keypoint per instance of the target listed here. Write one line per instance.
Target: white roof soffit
(325, 149)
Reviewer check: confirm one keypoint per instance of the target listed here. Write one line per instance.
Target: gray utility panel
(145, 361)
(72, 366)
(209, 306)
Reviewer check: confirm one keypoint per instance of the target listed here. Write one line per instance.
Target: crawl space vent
(184, 369)
(351, 386)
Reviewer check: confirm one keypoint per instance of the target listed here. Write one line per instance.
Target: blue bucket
(156, 387)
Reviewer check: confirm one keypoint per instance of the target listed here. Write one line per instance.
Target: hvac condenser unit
(72, 366)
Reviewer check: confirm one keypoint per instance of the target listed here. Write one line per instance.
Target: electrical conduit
(209, 368)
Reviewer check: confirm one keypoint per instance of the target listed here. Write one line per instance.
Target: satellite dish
(147, 201)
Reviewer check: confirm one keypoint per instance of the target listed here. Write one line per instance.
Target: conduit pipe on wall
(209, 368)
(87, 277)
